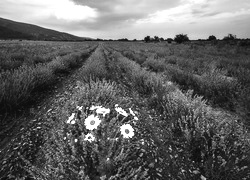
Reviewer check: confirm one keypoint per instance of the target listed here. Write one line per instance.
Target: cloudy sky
(134, 18)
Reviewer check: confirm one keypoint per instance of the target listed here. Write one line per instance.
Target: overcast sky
(134, 18)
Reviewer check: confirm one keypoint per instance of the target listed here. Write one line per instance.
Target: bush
(156, 65)
(211, 38)
(180, 38)
(147, 39)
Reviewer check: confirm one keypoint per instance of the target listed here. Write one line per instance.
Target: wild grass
(18, 85)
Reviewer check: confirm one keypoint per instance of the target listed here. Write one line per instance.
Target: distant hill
(17, 30)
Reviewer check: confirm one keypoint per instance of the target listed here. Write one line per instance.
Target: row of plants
(208, 81)
(17, 86)
(14, 55)
(202, 142)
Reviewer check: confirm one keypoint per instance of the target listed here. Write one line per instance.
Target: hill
(16, 30)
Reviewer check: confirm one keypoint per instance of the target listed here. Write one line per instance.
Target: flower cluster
(98, 114)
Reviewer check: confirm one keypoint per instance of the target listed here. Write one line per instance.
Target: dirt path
(24, 137)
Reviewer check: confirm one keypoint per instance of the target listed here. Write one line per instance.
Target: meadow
(134, 111)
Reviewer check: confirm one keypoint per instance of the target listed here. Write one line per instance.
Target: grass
(18, 85)
(178, 135)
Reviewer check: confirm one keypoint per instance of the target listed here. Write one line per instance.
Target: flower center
(126, 131)
(89, 137)
(92, 122)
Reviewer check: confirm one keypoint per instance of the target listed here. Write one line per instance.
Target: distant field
(192, 101)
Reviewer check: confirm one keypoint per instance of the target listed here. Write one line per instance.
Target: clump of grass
(138, 57)
(98, 91)
(18, 85)
(202, 144)
(156, 65)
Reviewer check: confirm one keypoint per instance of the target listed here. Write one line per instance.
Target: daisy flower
(92, 108)
(89, 137)
(71, 118)
(102, 110)
(131, 112)
(127, 131)
(79, 108)
(121, 111)
(91, 122)
(73, 122)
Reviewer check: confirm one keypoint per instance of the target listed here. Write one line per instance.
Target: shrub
(180, 38)
(211, 38)
(156, 65)
(147, 39)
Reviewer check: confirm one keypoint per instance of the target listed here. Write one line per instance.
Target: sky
(134, 19)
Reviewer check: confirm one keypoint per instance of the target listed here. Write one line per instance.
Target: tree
(230, 37)
(180, 38)
(170, 40)
(211, 38)
(156, 39)
(161, 39)
(147, 39)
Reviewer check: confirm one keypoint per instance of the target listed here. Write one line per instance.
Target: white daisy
(131, 112)
(73, 122)
(127, 131)
(92, 121)
(79, 108)
(92, 108)
(169, 83)
(121, 111)
(71, 118)
(76, 140)
(136, 118)
(102, 110)
(89, 137)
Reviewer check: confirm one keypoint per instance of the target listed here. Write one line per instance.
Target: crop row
(16, 86)
(14, 55)
(204, 76)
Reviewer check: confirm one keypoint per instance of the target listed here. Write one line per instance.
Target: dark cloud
(115, 13)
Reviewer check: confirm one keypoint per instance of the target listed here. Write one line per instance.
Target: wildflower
(92, 108)
(102, 110)
(131, 112)
(127, 131)
(196, 172)
(91, 122)
(79, 108)
(121, 111)
(203, 178)
(142, 141)
(73, 122)
(89, 137)
(169, 83)
(76, 140)
(136, 118)
(71, 118)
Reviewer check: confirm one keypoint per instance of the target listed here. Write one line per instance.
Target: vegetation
(142, 111)
(230, 37)
(180, 38)
(211, 38)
